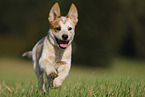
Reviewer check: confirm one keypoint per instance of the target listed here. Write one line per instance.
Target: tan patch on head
(56, 23)
(55, 18)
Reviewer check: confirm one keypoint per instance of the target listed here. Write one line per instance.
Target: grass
(126, 78)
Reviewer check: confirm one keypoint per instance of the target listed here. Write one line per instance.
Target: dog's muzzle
(62, 43)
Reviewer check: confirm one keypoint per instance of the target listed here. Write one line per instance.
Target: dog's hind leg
(39, 74)
(48, 82)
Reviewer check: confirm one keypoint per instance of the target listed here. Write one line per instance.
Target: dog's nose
(64, 36)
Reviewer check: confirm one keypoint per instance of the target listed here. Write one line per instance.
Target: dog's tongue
(63, 45)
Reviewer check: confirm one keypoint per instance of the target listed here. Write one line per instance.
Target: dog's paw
(52, 75)
(57, 83)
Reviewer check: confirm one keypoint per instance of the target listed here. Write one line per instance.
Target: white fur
(48, 57)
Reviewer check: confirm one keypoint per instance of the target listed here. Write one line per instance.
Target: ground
(125, 78)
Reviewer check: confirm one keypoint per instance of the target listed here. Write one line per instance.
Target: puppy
(52, 54)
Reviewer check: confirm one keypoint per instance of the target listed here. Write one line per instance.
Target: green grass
(126, 78)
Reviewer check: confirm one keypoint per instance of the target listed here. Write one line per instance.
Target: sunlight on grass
(124, 78)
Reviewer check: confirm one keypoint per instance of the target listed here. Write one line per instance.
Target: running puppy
(52, 54)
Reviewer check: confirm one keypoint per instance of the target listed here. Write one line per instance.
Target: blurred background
(107, 29)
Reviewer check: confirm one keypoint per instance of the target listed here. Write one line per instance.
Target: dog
(52, 54)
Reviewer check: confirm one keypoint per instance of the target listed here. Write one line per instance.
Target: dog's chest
(55, 55)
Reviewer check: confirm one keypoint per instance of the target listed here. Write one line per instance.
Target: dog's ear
(54, 12)
(73, 14)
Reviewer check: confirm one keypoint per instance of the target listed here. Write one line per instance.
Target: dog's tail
(27, 54)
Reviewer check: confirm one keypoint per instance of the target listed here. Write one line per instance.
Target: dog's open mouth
(62, 43)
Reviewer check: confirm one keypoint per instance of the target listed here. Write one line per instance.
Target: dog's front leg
(63, 71)
(48, 68)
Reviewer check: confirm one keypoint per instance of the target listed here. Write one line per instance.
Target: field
(125, 78)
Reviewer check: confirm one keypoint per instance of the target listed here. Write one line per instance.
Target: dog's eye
(70, 28)
(58, 28)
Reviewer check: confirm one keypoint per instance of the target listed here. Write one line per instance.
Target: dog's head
(62, 28)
